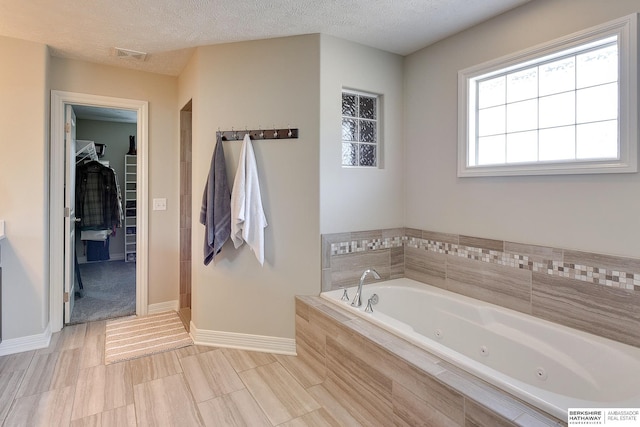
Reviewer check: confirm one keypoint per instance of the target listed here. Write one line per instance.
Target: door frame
(56, 197)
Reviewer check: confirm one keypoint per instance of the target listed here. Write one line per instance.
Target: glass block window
(359, 129)
(561, 109)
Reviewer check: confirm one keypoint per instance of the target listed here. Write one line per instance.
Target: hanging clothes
(215, 213)
(98, 198)
(247, 215)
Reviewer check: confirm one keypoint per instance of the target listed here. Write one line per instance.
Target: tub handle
(345, 295)
(373, 300)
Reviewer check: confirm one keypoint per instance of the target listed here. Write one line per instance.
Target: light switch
(159, 204)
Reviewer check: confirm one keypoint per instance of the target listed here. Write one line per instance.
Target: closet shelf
(86, 152)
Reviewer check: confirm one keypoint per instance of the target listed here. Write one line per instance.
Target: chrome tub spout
(357, 302)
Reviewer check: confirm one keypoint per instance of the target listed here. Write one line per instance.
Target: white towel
(247, 216)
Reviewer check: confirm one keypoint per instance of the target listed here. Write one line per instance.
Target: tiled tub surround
(384, 380)
(596, 293)
(549, 366)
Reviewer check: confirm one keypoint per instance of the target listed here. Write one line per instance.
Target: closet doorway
(105, 250)
(93, 113)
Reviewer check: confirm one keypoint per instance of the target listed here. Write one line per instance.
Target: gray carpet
(109, 291)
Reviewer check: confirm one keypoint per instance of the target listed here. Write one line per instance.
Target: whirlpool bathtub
(550, 366)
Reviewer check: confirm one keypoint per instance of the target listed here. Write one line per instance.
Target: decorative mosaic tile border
(354, 246)
(585, 273)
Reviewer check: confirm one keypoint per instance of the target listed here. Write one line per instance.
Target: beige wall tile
(347, 269)
(327, 240)
(185, 211)
(185, 246)
(349, 364)
(441, 237)
(364, 328)
(497, 284)
(366, 235)
(425, 266)
(302, 309)
(534, 252)
(478, 415)
(389, 233)
(628, 265)
(413, 232)
(409, 410)
(479, 242)
(362, 365)
(397, 263)
(310, 345)
(336, 238)
(602, 310)
(308, 334)
(425, 388)
(328, 319)
(483, 394)
(368, 415)
(325, 278)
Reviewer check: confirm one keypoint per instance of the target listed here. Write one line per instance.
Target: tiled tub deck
(388, 381)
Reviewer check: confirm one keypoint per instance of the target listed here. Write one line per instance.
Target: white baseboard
(262, 343)
(161, 307)
(28, 343)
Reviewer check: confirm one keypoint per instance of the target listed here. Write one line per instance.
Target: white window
(359, 129)
(569, 106)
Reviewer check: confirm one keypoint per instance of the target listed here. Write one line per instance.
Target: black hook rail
(238, 135)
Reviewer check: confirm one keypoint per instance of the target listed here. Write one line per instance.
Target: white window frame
(626, 30)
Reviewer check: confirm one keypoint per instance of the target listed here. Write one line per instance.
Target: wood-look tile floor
(67, 384)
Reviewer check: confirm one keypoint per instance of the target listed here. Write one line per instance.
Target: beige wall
(260, 83)
(164, 156)
(596, 213)
(354, 199)
(24, 123)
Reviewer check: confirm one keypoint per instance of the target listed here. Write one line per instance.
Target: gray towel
(215, 213)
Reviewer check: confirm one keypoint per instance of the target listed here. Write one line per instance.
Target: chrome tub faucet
(357, 302)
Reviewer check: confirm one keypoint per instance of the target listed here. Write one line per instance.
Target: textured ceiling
(169, 30)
